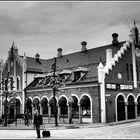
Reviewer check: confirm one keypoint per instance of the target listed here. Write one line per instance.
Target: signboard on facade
(119, 86)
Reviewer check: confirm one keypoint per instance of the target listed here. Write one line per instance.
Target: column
(80, 113)
(49, 113)
(41, 109)
(136, 111)
(23, 92)
(126, 114)
(24, 66)
(69, 112)
(32, 109)
(134, 65)
(101, 80)
(3, 109)
(59, 111)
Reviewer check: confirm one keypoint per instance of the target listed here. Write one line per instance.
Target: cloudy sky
(42, 27)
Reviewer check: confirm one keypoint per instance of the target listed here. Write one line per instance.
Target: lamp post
(56, 81)
(54, 91)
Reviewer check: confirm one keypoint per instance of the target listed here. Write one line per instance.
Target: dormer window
(79, 73)
(64, 74)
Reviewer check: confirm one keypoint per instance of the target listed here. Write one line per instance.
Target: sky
(44, 26)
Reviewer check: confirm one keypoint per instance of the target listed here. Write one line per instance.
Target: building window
(64, 74)
(5, 83)
(18, 83)
(77, 76)
(127, 71)
(137, 73)
(131, 71)
(64, 77)
(79, 73)
(11, 83)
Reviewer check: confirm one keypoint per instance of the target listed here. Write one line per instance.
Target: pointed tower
(135, 34)
(134, 38)
(101, 80)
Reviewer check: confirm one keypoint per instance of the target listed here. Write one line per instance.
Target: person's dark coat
(37, 120)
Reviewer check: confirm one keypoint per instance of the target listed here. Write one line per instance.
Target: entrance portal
(131, 108)
(120, 108)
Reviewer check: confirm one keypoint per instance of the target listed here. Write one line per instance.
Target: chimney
(108, 56)
(37, 58)
(83, 43)
(115, 39)
(59, 50)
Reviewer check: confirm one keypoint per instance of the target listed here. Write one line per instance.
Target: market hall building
(99, 84)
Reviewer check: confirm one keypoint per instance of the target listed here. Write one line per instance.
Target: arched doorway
(120, 108)
(44, 104)
(75, 108)
(14, 107)
(29, 105)
(63, 107)
(131, 107)
(36, 104)
(51, 103)
(138, 106)
(86, 109)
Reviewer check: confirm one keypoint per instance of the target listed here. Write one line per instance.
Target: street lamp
(56, 81)
(54, 91)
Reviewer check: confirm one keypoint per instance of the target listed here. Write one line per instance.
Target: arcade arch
(85, 105)
(14, 107)
(120, 107)
(29, 105)
(131, 106)
(44, 105)
(36, 103)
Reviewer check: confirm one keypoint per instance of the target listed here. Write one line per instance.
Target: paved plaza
(125, 129)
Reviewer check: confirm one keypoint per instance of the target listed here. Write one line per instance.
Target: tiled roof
(34, 66)
(89, 59)
(73, 60)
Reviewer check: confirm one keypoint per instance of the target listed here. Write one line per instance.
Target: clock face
(137, 51)
(119, 75)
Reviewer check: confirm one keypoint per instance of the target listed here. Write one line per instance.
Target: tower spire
(13, 44)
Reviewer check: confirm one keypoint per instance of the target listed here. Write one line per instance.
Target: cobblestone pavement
(121, 129)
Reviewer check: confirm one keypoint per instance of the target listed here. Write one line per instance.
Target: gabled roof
(89, 59)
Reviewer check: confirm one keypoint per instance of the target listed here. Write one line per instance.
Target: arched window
(11, 83)
(18, 82)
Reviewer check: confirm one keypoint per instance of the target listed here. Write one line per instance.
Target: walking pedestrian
(37, 122)
(27, 115)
